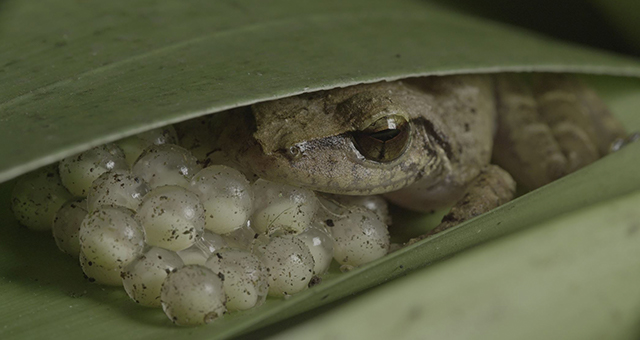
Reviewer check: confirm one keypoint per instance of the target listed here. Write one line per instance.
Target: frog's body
(427, 142)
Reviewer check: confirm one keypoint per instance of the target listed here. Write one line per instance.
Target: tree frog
(427, 143)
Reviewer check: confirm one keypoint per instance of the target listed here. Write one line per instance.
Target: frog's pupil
(385, 135)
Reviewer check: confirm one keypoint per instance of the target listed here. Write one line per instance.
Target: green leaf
(574, 277)
(42, 287)
(93, 72)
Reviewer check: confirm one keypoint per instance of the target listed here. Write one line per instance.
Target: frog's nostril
(294, 151)
(385, 140)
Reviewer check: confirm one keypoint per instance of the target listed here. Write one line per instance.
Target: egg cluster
(143, 213)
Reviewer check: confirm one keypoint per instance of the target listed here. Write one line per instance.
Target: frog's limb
(492, 188)
(552, 129)
(580, 122)
(575, 112)
(525, 145)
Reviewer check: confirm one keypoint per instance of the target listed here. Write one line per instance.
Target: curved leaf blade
(30, 264)
(574, 277)
(98, 72)
(42, 287)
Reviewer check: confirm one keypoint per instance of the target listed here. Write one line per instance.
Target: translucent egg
(282, 209)
(211, 242)
(244, 278)
(119, 188)
(193, 295)
(99, 274)
(320, 244)
(37, 196)
(193, 255)
(66, 226)
(78, 172)
(289, 265)
(241, 238)
(143, 277)
(359, 237)
(172, 217)
(226, 195)
(134, 146)
(166, 164)
(111, 237)
(219, 157)
(375, 203)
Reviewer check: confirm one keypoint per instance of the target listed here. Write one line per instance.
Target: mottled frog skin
(429, 142)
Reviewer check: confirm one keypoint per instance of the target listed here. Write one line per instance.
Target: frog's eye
(385, 140)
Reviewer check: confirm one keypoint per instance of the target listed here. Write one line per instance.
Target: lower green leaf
(574, 277)
(44, 294)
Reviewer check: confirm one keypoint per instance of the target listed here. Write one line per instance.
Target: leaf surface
(574, 277)
(94, 72)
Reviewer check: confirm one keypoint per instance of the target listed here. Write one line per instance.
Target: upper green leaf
(76, 75)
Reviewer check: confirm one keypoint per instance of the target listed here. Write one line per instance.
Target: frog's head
(361, 140)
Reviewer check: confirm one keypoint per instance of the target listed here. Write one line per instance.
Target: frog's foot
(551, 129)
(622, 142)
(492, 188)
